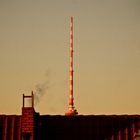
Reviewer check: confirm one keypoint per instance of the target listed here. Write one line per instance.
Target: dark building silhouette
(33, 126)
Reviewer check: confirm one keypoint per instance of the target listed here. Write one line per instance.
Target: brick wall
(32, 126)
(10, 127)
(27, 123)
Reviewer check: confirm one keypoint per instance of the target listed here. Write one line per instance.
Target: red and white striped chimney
(71, 110)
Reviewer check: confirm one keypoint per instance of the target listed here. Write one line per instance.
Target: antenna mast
(71, 110)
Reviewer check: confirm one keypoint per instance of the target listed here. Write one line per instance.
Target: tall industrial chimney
(71, 110)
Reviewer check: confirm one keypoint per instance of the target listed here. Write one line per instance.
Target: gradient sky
(34, 51)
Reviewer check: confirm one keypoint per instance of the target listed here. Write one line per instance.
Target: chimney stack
(71, 110)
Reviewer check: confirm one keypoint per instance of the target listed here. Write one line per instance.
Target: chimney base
(71, 113)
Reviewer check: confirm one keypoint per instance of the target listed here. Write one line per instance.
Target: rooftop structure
(30, 125)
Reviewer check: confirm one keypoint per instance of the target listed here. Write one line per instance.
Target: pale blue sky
(34, 51)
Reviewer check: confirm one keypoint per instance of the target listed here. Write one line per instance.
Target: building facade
(30, 125)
